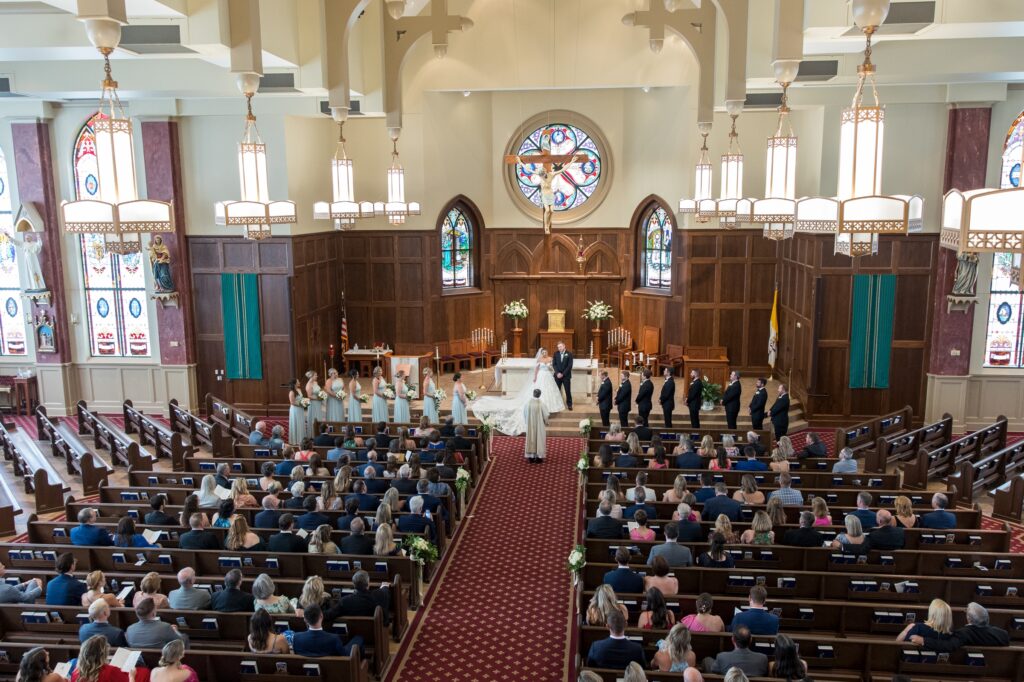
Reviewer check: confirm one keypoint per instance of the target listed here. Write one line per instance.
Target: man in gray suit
(151, 632)
(22, 593)
(99, 614)
(750, 662)
(188, 597)
(675, 554)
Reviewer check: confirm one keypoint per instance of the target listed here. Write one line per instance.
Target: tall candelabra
(482, 338)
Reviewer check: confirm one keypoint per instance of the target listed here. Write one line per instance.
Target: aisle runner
(500, 606)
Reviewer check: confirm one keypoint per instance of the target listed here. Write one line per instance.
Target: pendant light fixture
(732, 172)
(702, 174)
(395, 209)
(344, 209)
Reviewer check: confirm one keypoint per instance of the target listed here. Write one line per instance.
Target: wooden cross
(546, 157)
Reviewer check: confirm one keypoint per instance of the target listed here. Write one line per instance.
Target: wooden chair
(650, 346)
(711, 361)
(615, 353)
(672, 357)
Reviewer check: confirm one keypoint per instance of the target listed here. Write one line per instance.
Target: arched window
(115, 285)
(655, 236)
(1005, 332)
(458, 242)
(12, 319)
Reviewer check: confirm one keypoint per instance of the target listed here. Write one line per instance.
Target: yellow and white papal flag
(773, 331)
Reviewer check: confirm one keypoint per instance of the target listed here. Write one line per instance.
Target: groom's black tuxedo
(604, 401)
(623, 397)
(643, 399)
(562, 364)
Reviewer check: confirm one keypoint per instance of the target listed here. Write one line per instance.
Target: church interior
(439, 287)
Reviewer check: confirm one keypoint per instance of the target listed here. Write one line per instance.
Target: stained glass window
(1010, 175)
(12, 317)
(578, 181)
(456, 250)
(656, 249)
(115, 285)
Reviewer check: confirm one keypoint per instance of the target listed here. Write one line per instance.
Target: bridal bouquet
(388, 391)
(517, 310)
(439, 395)
(462, 479)
(342, 395)
(304, 402)
(597, 311)
(411, 393)
(321, 395)
(470, 395)
(363, 398)
(420, 549)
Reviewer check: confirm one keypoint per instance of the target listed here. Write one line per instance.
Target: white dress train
(507, 414)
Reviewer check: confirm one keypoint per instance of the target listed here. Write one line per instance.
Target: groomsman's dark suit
(668, 400)
(757, 405)
(694, 398)
(731, 403)
(780, 415)
(562, 364)
(604, 401)
(623, 397)
(644, 394)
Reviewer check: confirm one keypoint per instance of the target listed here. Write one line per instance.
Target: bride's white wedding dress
(507, 413)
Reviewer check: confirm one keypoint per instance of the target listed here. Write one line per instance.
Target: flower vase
(707, 406)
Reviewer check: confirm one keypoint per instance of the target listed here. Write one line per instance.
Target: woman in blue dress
(401, 399)
(379, 402)
(315, 412)
(459, 401)
(335, 406)
(429, 404)
(355, 408)
(296, 414)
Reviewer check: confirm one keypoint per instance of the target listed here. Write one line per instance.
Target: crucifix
(545, 163)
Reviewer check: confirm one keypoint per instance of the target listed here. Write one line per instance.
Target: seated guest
(622, 578)
(785, 493)
(264, 596)
(88, 534)
(338, 451)
(775, 512)
(616, 651)
(657, 460)
(750, 461)
(207, 485)
(684, 512)
(656, 615)
(819, 508)
(748, 492)
(641, 484)
(323, 439)
(285, 540)
(258, 436)
(940, 518)
(262, 639)
(320, 541)
(760, 531)
(447, 430)
(750, 662)
(757, 618)
(729, 445)
(939, 624)
(92, 665)
(305, 450)
(239, 537)
(977, 632)
(676, 655)
(367, 502)
(602, 603)
(170, 668)
(20, 593)
(724, 526)
(225, 514)
(268, 517)
(626, 458)
(277, 443)
(459, 440)
(615, 434)
(603, 526)
(149, 588)
(188, 597)
(846, 463)
(157, 517)
(362, 602)
(703, 620)
(357, 542)
(99, 615)
(376, 485)
(191, 507)
(384, 540)
(65, 589)
(805, 535)
(35, 667)
(716, 556)
(813, 446)
(689, 459)
(351, 513)
(778, 462)
(231, 599)
(297, 490)
(125, 535)
(312, 519)
(404, 484)
(612, 496)
(787, 664)
(863, 511)
(676, 492)
(431, 503)
(415, 522)
(287, 464)
(721, 503)
(372, 460)
(721, 461)
(97, 584)
(603, 459)
(641, 533)
(755, 442)
(640, 503)
(674, 553)
(886, 536)
(904, 516)
(707, 488)
(642, 431)
(668, 584)
(436, 486)
(328, 499)
(241, 495)
(853, 541)
(313, 642)
(151, 632)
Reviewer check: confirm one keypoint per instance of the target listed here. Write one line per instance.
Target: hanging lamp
(344, 209)
(395, 209)
(702, 174)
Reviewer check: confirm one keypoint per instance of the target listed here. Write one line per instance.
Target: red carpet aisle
(499, 605)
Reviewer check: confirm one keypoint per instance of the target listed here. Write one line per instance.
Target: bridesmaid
(429, 405)
(380, 404)
(355, 408)
(296, 413)
(459, 400)
(401, 400)
(335, 406)
(316, 406)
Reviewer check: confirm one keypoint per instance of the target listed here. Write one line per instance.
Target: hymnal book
(130, 497)
(1001, 564)
(82, 618)
(261, 452)
(229, 561)
(340, 628)
(34, 617)
(134, 513)
(311, 670)
(222, 492)
(182, 623)
(1011, 591)
(975, 658)
(984, 590)
(826, 651)
(357, 565)
(209, 623)
(236, 467)
(163, 559)
(887, 560)
(280, 626)
(380, 567)
(806, 613)
(188, 480)
(59, 533)
(248, 668)
(125, 659)
(151, 535)
(118, 557)
(50, 555)
(10, 580)
(207, 466)
(271, 562)
(153, 480)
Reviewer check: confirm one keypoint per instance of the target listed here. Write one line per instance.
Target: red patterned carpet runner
(499, 603)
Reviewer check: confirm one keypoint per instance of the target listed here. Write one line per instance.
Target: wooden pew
(948, 458)
(902, 446)
(78, 458)
(197, 430)
(166, 443)
(984, 474)
(674, 434)
(234, 422)
(368, 429)
(40, 478)
(807, 477)
(864, 436)
(1008, 501)
(123, 450)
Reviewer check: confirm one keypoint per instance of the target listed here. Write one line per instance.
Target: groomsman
(757, 405)
(694, 398)
(780, 413)
(562, 364)
(731, 400)
(644, 395)
(623, 397)
(604, 399)
(668, 397)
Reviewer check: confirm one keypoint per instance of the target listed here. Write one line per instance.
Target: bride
(507, 413)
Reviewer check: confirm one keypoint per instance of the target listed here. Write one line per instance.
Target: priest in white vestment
(535, 415)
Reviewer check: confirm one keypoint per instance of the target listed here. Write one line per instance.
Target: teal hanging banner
(240, 301)
(874, 299)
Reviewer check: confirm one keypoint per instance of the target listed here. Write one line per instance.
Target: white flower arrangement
(470, 395)
(597, 311)
(517, 310)
(420, 549)
(577, 559)
(486, 424)
(585, 426)
(304, 402)
(439, 395)
(582, 464)
(462, 479)
(321, 395)
(388, 391)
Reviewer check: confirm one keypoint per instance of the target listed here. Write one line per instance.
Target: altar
(511, 374)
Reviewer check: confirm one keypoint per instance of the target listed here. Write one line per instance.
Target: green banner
(240, 301)
(874, 299)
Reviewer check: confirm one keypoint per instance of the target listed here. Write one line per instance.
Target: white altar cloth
(510, 374)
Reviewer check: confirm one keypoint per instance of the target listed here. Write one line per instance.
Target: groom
(562, 364)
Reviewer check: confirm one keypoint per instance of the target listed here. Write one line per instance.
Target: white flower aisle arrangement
(585, 426)
(577, 560)
(517, 310)
(597, 311)
(462, 479)
(582, 465)
(420, 549)
(439, 395)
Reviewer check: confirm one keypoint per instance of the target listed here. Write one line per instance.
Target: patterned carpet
(498, 605)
